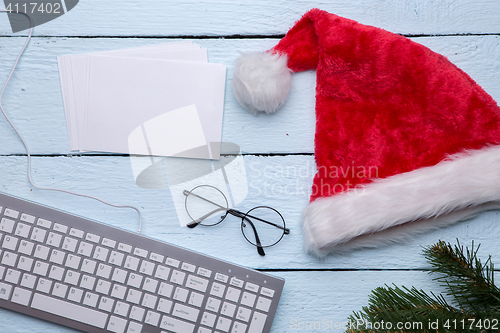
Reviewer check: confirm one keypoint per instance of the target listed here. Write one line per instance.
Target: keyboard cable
(25, 144)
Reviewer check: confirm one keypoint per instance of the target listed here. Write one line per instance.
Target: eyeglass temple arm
(260, 249)
(194, 223)
(237, 213)
(231, 211)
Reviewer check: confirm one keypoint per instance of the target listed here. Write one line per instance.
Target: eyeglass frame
(237, 213)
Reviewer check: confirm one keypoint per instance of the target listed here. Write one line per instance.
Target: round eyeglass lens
(207, 205)
(265, 223)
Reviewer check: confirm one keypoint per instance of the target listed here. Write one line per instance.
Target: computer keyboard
(97, 278)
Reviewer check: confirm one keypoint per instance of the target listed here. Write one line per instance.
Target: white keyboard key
(21, 296)
(258, 322)
(59, 290)
(90, 299)
(41, 252)
(248, 299)
(164, 305)
(56, 273)
(267, 292)
(236, 282)
(103, 287)
(223, 324)
(118, 291)
(60, 228)
(252, 287)
(213, 304)
(134, 327)
(38, 235)
(9, 259)
(197, 283)
(5, 290)
(72, 261)
(221, 277)
(188, 267)
(28, 281)
(12, 276)
(44, 223)
(134, 280)
(92, 238)
(239, 328)
(76, 233)
(117, 325)
(108, 242)
(181, 294)
(101, 253)
(121, 308)
(208, 319)
(176, 325)
(263, 304)
(75, 294)
(10, 243)
(140, 252)
(203, 330)
(137, 313)
(41, 268)
(85, 249)
(69, 310)
(150, 285)
(88, 266)
(243, 314)
(165, 289)
(72, 277)
(69, 244)
(116, 258)
(204, 272)
(149, 301)
(2, 270)
(88, 282)
(125, 247)
(25, 264)
(119, 275)
(27, 218)
(196, 299)
(134, 296)
(103, 271)
(54, 239)
(228, 309)
(156, 257)
(147, 267)
(217, 289)
(177, 277)
(11, 213)
(44, 285)
(26, 247)
(172, 262)
(22, 230)
(57, 257)
(106, 304)
(7, 225)
(131, 263)
(162, 272)
(152, 318)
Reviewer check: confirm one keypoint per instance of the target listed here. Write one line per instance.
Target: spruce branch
(466, 279)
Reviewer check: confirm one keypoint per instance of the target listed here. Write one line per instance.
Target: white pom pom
(261, 81)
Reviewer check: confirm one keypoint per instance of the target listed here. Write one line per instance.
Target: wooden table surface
(277, 150)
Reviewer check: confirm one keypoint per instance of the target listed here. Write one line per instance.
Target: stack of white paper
(163, 100)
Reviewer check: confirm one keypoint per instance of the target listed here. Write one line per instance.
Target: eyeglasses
(205, 203)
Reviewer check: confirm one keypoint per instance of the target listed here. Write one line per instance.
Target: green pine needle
(466, 279)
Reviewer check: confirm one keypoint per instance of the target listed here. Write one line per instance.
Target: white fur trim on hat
(261, 81)
(453, 190)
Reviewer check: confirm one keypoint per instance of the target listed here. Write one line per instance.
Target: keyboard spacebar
(69, 310)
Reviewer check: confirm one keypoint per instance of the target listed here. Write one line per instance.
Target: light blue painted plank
(269, 183)
(259, 17)
(33, 100)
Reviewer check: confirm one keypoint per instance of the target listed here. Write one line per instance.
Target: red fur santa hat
(405, 141)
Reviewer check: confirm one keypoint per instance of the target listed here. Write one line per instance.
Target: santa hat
(405, 141)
